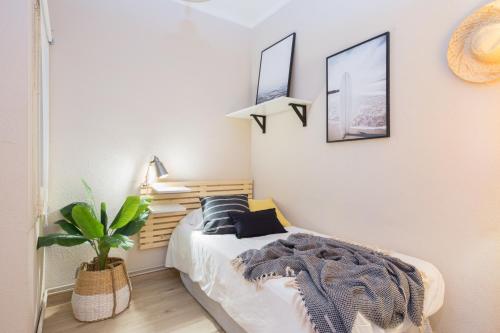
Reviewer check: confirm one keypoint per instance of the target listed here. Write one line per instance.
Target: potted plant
(102, 288)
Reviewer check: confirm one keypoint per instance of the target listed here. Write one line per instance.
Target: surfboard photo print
(358, 91)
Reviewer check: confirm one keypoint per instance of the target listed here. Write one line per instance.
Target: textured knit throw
(336, 280)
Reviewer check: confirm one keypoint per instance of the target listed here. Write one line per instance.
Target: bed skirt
(212, 307)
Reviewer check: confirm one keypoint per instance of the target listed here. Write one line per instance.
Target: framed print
(358, 90)
(276, 70)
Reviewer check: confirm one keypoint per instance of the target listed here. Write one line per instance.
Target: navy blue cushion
(255, 224)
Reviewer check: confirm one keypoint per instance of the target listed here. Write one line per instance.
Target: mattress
(274, 306)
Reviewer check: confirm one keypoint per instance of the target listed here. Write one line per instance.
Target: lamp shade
(161, 172)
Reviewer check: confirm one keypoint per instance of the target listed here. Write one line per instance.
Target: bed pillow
(255, 224)
(216, 209)
(256, 205)
(194, 219)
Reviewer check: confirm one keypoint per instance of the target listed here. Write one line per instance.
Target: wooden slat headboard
(158, 228)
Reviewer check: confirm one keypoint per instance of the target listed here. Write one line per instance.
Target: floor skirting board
(41, 313)
(69, 287)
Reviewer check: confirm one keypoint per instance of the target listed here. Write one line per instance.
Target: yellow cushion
(256, 205)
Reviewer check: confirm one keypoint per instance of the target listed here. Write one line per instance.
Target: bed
(206, 270)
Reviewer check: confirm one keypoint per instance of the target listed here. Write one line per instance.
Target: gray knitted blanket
(337, 279)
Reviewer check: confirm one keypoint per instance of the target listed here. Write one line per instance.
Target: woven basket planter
(100, 295)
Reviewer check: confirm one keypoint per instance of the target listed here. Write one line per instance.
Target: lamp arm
(146, 179)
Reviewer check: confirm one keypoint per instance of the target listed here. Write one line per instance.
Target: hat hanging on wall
(474, 49)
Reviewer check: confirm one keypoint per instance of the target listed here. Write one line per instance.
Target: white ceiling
(248, 13)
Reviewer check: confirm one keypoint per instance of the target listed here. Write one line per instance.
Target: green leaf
(143, 207)
(68, 210)
(117, 241)
(133, 227)
(90, 197)
(60, 239)
(69, 227)
(110, 242)
(127, 212)
(87, 222)
(139, 219)
(104, 216)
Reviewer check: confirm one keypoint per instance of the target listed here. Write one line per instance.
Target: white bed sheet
(274, 307)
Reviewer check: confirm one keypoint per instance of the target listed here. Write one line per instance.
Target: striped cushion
(216, 219)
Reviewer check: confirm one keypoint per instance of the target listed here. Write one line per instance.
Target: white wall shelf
(260, 112)
(165, 189)
(167, 208)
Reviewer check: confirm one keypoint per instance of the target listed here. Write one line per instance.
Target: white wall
(134, 78)
(432, 190)
(18, 280)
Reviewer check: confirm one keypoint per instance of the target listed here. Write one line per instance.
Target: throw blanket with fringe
(336, 280)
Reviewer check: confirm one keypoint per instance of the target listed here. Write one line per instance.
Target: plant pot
(100, 295)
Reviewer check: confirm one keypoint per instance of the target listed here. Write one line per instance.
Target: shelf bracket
(261, 121)
(301, 111)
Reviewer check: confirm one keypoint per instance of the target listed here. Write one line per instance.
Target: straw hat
(474, 49)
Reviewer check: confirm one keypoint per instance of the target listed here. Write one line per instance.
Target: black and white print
(216, 210)
(358, 91)
(275, 70)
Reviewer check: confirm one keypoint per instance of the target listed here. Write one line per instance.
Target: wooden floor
(160, 303)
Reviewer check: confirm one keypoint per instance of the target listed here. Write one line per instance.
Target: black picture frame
(289, 72)
(329, 92)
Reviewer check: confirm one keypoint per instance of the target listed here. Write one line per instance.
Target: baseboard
(60, 289)
(147, 271)
(41, 313)
(69, 287)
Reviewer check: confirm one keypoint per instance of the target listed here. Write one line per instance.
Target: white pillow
(194, 219)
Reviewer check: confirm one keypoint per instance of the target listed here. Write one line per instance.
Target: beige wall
(433, 189)
(134, 78)
(18, 279)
